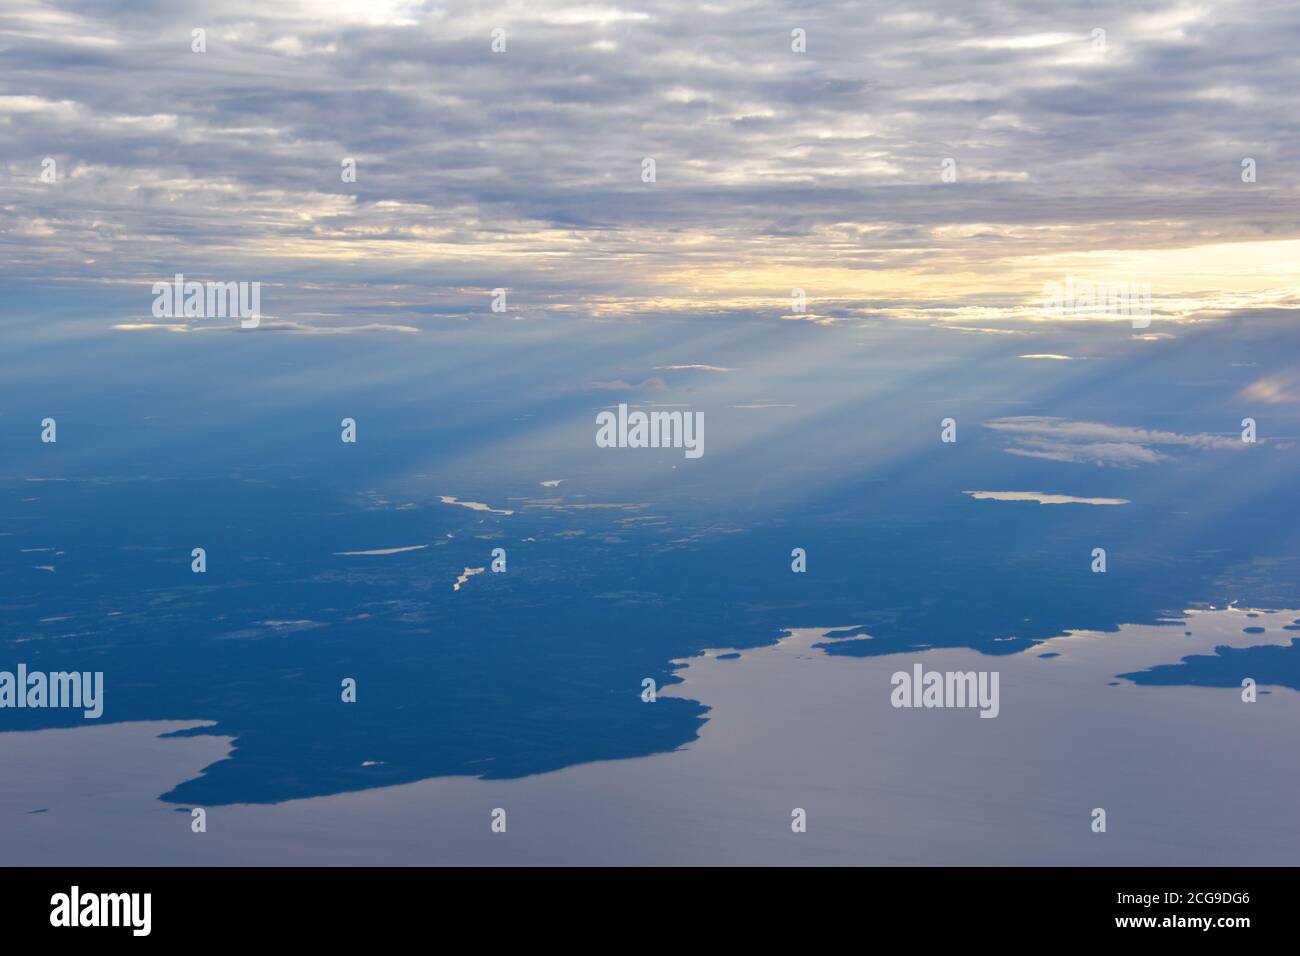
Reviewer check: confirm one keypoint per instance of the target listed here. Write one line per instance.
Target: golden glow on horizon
(682, 272)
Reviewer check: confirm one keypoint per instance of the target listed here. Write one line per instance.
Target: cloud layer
(1060, 439)
(774, 169)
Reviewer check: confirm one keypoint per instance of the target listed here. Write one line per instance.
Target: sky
(1116, 156)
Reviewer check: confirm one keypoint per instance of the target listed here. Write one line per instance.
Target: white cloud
(1062, 439)
(1043, 498)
